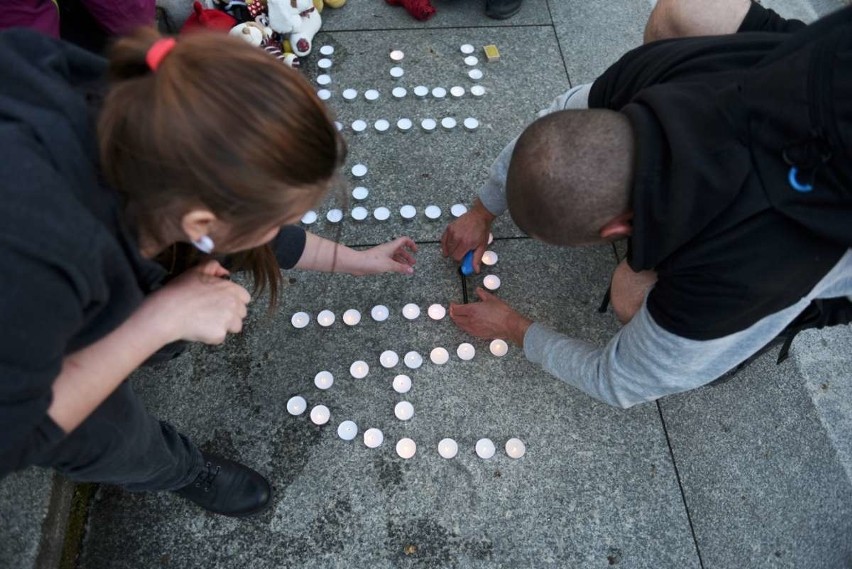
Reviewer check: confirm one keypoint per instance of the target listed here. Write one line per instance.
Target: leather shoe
(502, 9)
(228, 488)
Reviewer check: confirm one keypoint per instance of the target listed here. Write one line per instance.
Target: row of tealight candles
(380, 312)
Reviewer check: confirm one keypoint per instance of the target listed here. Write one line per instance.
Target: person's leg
(122, 444)
(685, 18)
(628, 290)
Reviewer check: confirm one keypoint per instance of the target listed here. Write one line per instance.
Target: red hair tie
(158, 50)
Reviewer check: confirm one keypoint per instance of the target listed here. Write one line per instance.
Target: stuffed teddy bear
(259, 34)
(298, 18)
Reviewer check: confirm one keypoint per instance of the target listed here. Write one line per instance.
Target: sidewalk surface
(756, 472)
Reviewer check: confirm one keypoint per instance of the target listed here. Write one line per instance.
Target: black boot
(502, 9)
(228, 488)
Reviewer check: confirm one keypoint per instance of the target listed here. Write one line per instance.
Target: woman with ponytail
(117, 207)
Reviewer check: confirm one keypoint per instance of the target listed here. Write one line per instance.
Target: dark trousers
(121, 443)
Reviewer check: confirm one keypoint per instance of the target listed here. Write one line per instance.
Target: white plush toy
(297, 18)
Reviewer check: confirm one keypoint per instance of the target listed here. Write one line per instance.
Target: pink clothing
(116, 17)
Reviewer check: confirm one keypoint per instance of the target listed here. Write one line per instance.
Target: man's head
(570, 176)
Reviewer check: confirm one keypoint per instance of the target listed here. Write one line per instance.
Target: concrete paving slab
(24, 500)
(444, 167)
(594, 35)
(596, 487)
(762, 481)
(378, 15)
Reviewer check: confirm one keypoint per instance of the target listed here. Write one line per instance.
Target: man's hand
(470, 231)
(395, 256)
(491, 318)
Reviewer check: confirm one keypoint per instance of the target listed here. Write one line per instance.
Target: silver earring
(204, 244)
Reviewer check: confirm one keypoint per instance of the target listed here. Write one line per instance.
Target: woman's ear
(197, 223)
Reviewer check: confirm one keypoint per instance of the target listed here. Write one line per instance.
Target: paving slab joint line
(680, 486)
(64, 525)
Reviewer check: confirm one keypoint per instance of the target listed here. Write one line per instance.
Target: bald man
(725, 161)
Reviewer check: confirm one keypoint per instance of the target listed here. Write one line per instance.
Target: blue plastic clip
(467, 264)
(794, 182)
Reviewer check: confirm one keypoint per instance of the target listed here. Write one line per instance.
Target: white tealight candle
(402, 384)
(485, 448)
(347, 430)
(491, 282)
(408, 212)
(309, 217)
(338, 125)
(471, 60)
(323, 79)
(448, 448)
(320, 415)
(324, 94)
(413, 360)
(351, 317)
(490, 238)
(381, 213)
(406, 448)
(471, 124)
(467, 49)
(325, 318)
(359, 213)
(404, 125)
(381, 125)
(326, 50)
(428, 125)
(300, 319)
(371, 95)
(324, 63)
(439, 356)
(457, 91)
(475, 74)
(403, 410)
(399, 92)
(477, 90)
(448, 123)
(388, 359)
(421, 91)
(359, 369)
(466, 351)
(489, 258)
(334, 215)
(458, 210)
(397, 55)
(516, 448)
(439, 92)
(360, 193)
(373, 438)
(350, 94)
(324, 380)
(436, 311)
(380, 313)
(359, 170)
(397, 72)
(411, 311)
(432, 212)
(359, 126)
(296, 405)
(499, 348)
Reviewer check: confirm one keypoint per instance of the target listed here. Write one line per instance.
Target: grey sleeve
(493, 193)
(644, 362)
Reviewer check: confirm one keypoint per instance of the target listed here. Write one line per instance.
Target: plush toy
(258, 33)
(298, 18)
(320, 4)
(206, 19)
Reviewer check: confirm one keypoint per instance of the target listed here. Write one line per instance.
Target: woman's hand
(200, 305)
(393, 257)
